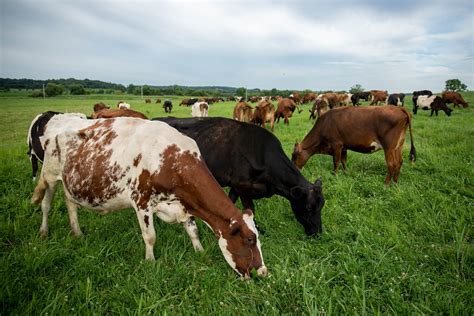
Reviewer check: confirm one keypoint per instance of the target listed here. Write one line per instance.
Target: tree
(53, 89)
(77, 89)
(147, 90)
(240, 92)
(455, 85)
(131, 89)
(356, 88)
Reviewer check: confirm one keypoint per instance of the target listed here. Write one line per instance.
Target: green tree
(53, 89)
(455, 85)
(147, 90)
(131, 89)
(77, 89)
(240, 91)
(356, 88)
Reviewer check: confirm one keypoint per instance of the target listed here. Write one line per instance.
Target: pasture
(403, 249)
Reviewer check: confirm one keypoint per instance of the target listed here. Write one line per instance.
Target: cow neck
(311, 140)
(288, 177)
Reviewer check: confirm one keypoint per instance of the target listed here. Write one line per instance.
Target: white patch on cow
(196, 110)
(424, 101)
(248, 219)
(172, 211)
(123, 105)
(227, 255)
(399, 102)
(376, 145)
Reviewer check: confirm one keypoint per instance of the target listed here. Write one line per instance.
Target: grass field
(405, 249)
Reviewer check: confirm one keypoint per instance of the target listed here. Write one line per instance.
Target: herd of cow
(176, 167)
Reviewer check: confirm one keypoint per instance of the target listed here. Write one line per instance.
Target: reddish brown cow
(455, 98)
(264, 112)
(361, 129)
(285, 110)
(296, 96)
(147, 100)
(320, 107)
(111, 113)
(158, 100)
(309, 97)
(331, 98)
(100, 106)
(378, 96)
(243, 112)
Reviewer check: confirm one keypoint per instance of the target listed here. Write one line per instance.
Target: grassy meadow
(403, 249)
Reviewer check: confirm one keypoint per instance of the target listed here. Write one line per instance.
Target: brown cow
(296, 96)
(100, 106)
(110, 113)
(331, 98)
(455, 98)
(309, 97)
(361, 129)
(378, 96)
(147, 100)
(243, 112)
(264, 112)
(320, 107)
(285, 110)
(158, 100)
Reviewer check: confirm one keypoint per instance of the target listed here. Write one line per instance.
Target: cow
(35, 132)
(100, 106)
(320, 107)
(455, 98)
(158, 100)
(254, 99)
(396, 99)
(230, 98)
(309, 97)
(167, 106)
(147, 100)
(378, 96)
(113, 164)
(285, 109)
(296, 96)
(242, 112)
(109, 113)
(264, 113)
(344, 99)
(123, 105)
(415, 96)
(356, 97)
(200, 109)
(361, 129)
(188, 102)
(251, 161)
(331, 98)
(433, 103)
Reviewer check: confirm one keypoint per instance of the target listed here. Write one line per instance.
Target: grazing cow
(168, 106)
(110, 113)
(396, 99)
(264, 113)
(200, 109)
(250, 161)
(344, 99)
(455, 98)
(320, 107)
(331, 98)
(113, 164)
(378, 96)
(361, 129)
(230, 98)
(242, 112)
(285, 109)
(416, 94)
(158, 100)
(36, 130)
(309, 97)
(123, 105)
(100, 106)
(356, 97)
(433, 103)
(296, 96)
(188, 102)
(147, 100)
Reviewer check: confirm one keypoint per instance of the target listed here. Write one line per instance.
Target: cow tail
(412, 156)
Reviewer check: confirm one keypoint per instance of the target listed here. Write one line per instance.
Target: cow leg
(247, 203)
(391, 160)
(145, 219)
(192, 230)
(399, 162)
(73, 221)
(287, 121)
(44, 192)
(344, 159)
(272, 123)
(34, 165)
(336, 158)
(432, 111)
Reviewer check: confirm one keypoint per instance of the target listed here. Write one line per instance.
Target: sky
(400, 46)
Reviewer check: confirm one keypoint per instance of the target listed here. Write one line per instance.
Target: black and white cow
(396, 99)
(433, 103)
(415, 96)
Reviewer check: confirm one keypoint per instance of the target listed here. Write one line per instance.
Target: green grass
(405, 249)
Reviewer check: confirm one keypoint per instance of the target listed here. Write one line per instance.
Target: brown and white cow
(113, 164)
(361, 129)
(455, 98)
(320, 107)
(309, 97)
(242, 112)
(331, 98)
(110, 113)
(296, 96)
(200, 109)
(264, 113)
(285, 109)
(123, 105)
(378, 96)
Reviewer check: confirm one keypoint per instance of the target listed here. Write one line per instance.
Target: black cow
(167, 105)
(35, 150)
(416, 94)
(356, 97)
(396, 98)
(251, 161)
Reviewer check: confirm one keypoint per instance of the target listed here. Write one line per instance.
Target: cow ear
(296, 192)
(318, 185)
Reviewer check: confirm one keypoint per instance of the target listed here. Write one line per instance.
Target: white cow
(123, 105)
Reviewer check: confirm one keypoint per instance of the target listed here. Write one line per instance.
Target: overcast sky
(318, 45)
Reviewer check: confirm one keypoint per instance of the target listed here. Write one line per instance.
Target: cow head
(299, 156)
(240, 246)
(307, 204)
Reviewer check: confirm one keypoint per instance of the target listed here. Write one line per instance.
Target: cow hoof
(43, 233)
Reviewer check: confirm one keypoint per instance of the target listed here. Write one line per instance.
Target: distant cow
(114, 164)
(242, 112)
(415, 96)
(230, 98)
(285, 109)
(361, 129)
(378, 96)
(331, 98)
(309, 97)
(147, 100)
(110, 113)
(188, 102)
(264, 113)
(433, 103)
(455, 98)
(123, 105)
(356, 97)
(100, 106)
(296, 96)
(254, 99)
(158, 100)
(344, 99)
(320, 107)
(200, 109)
(396, 99)
(168, 106)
